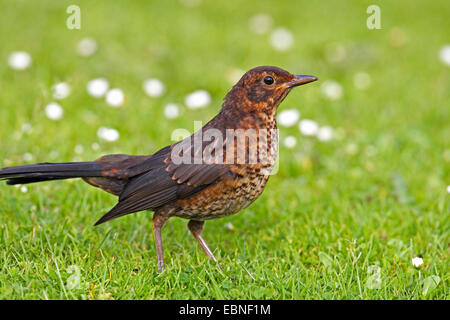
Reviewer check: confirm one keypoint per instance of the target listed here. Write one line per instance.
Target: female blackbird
(216, 172)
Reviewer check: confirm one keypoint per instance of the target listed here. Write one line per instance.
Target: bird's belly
(219, 201)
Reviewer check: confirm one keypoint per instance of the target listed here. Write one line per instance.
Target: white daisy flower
(281, 39)
(60, 90)
(78, 149)
(27, 128)
(95, 146)
(352, 148)
(153, 87)
(53, 154)
(27, 157)
(335, 53)
(97, 88)
(233, 75)
(308, 127)
(371, 151)
(229, 226)
(108, 134)
(444, 54)
(197, 99)
(362, 80)
(19, 60)
(287, 118)
(115, 97)
(87, 47)
(325, 133)
(448, 189)
(54, 111)
(171, 111)
(260, 23)
(417, 261)
(331, 90)
(290, 142)
(23, 189)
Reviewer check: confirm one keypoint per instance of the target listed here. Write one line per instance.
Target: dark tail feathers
(50, 171)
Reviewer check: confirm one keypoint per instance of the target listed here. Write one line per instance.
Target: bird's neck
(243, 118)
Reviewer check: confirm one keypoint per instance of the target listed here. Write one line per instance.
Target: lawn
(341, 219)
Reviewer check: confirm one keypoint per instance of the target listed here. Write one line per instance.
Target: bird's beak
(300, 79)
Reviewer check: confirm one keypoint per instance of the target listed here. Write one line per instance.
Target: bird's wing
(164, 182)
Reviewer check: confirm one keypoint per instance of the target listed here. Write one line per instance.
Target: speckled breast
(233, 193)
(224, 199)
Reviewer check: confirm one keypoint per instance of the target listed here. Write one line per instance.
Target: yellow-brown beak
(300, 79)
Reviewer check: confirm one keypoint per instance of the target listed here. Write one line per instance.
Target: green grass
(335, 217)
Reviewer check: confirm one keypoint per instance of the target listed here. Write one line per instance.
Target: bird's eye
(268, 80)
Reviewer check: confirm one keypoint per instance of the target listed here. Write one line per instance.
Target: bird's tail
(50, 171)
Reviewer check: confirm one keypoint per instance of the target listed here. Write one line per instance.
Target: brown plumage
(205, 187)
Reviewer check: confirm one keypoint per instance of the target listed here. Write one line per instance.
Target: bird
(216, 172)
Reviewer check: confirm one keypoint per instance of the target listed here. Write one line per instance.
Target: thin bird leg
(158, 222)
(196, 228)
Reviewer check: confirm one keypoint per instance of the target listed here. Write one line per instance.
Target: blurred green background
(342, 219)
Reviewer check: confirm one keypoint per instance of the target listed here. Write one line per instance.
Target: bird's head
(264, 88)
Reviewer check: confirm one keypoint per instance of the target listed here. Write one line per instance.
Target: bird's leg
(158, 222)
(196, 227)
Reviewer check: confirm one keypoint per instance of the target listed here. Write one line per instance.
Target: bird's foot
(161, 266)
